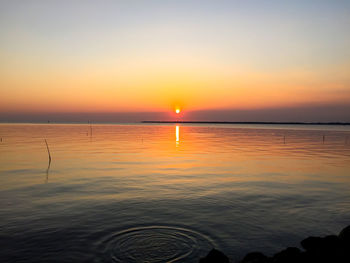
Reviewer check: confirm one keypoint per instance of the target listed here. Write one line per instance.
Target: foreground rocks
(330, 249)
(215, 256)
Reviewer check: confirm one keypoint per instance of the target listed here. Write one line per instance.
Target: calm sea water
(166, 193)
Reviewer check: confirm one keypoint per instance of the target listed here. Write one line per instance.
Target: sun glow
(177, 111)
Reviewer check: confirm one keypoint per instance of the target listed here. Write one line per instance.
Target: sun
(177, 111)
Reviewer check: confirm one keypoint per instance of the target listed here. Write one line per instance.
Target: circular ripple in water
(156, 244)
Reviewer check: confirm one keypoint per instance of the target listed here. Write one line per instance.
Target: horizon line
(180, 122)
(252, 122)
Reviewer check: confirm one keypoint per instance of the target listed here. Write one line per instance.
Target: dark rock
(331, 242)
(312, 244)
(290, 254)
(215, 256)
(255, 257)
(305, 257)
(344, 235)
(328, 249)
(333, 248)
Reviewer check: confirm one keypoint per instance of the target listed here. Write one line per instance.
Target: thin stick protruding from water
(89, 122)
(48, 151)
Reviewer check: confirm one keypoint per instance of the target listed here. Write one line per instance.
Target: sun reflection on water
(177, 135)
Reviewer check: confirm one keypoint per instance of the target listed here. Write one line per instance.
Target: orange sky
(86, 58)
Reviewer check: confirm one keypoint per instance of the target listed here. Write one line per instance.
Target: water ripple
(155, 244)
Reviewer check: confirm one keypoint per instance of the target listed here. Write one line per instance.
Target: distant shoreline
(252, 122)
(182, 122)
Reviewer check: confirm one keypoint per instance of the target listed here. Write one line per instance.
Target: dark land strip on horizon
(252, 122)
(183, 122)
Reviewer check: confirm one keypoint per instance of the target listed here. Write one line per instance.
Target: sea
(138, 192)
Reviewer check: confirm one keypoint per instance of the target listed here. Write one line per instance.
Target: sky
(134, 60)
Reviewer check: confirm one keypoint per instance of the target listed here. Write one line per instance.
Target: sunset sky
(217, 60)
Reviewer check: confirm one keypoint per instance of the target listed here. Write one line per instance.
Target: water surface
(167, 193)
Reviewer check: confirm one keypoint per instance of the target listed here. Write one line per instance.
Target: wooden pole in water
(90, 128)
(48, 151)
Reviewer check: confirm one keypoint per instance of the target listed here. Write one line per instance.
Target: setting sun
(164, 108)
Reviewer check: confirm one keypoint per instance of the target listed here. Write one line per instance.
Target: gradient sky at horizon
(153, 56)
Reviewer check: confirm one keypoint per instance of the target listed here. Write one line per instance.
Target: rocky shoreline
(330, 249)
